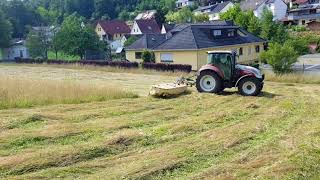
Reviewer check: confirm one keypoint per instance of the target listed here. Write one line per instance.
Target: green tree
(300, 45)
(5, 31)
(253, 24)
(280, 57)
(75, 37)
(38, 44)
(280, 35)
(201, 18)
(238, 16)
(147, 56)
(130, 41)
(268, 29)
(184, 15)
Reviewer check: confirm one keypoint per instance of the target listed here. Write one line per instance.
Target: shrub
(147, 56)
(167, 67)
(120, 64)
(280, 57)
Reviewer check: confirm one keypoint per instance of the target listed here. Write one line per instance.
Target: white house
(184, 3)
(277, 7)
(214, 10)
(16, 50)
(145, 26)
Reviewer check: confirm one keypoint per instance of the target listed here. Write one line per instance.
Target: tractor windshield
(223, 61)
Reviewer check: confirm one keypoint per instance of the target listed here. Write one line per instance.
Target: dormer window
(217, 32)
(230, 33)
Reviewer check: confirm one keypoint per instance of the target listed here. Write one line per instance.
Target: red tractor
(222, 72)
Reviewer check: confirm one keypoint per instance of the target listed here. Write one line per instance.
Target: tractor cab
(225, 61)
(222, 72)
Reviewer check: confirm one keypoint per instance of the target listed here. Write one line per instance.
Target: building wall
(198, 58)
(13, 52)
(314, 26)
(135, 29)
(278, 9)
(131, 55)
(100, 32)
(180, 57)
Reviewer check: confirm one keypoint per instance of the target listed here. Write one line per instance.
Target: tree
(184, 15)
(253, 24)
(280, 35)
(280, 57)
(5, 31)
(238, 16)
(130, 41)
(38, 44)
(147, 56)
(75, 37)
(201, 18)
(267, 25)
(300, 45)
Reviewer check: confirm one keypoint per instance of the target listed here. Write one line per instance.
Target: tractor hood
(250, 69)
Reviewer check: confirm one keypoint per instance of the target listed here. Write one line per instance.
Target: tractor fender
(242, 77)
(211, 68)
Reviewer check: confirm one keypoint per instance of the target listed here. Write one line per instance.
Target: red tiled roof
(300, 1)
(115, 27)
(148, 26)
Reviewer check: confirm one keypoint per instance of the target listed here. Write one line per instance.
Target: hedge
(167, 67)
(122, 64)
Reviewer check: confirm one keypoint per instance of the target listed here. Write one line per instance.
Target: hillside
(275, 135)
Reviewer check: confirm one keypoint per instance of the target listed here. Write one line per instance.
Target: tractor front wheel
(209, 82)
(250, 87)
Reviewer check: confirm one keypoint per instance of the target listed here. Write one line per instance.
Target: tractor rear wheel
(250, 86)
(209, 82)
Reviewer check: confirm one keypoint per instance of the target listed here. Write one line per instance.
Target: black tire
(218, 82)
(250, 86)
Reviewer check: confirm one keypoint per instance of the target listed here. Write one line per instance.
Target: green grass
(195, 136)
(62, 56)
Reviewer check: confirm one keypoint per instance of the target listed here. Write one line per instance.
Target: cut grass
(22, 93)
(194, 136)
(293, 78)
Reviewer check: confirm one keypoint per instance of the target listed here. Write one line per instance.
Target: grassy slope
(194, 136)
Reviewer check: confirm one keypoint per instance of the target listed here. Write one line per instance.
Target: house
(189, 44)
(146, 42)
(167, 27)
(277, 7)
(47, 31)
(17, 49)
(150, 14)
(112, 32)
(145, 26)
(214, 10)
(184, 3)
(303, 15)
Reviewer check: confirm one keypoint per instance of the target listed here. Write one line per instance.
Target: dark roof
(147, 41)
(250, 4)
(115, 27)
(169, 27)
(147, 26)
(215, 8)
(198, 36)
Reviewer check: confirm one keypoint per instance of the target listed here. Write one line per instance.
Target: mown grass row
(23, 93)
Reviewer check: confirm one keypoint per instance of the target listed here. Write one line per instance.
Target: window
(21, 53)
(138, 55)
(216, 32)
(99, 29)
(249, 50)
(230, 33)
(257, 49)
(303, 22)
(166, 57)
(240, 51)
